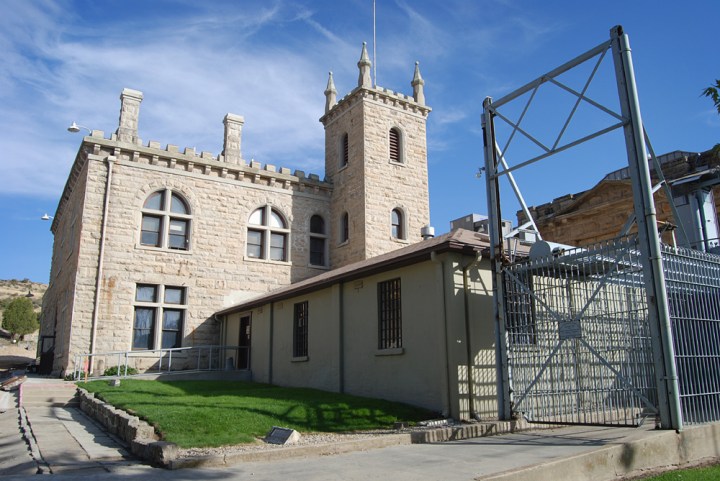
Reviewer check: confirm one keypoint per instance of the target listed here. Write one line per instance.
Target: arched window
(318, 241)
(344, 228)
(267, 235)
(165, 221)
(344, 150)
(396, 147)
(397, 222)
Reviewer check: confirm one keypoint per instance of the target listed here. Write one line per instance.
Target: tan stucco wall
(430, 371)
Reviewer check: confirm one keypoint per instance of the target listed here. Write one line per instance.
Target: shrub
(19, 317)
(113, 371)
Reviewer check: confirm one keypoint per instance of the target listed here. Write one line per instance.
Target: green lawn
(694, 474)
(216, 413)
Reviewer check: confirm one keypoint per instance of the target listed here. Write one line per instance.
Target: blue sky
(268, 60)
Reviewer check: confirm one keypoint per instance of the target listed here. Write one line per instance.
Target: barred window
(300, 330)
(520, 323)
(389, 315)
(159, 317)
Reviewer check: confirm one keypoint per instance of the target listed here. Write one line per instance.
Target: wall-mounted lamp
(74, 128)
(46, 217)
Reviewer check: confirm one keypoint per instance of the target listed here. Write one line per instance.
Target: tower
(376, 159)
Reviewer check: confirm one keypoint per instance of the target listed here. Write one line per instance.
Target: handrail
(207, 358)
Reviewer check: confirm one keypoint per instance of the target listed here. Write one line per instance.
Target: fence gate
(579, 345)
(585, 336)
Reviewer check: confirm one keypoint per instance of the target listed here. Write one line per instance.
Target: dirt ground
(14, 356)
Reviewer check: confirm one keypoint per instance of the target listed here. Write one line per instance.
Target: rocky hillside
(15, 288)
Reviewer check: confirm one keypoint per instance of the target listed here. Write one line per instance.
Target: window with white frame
(397, 224)
(267, 235)
(159, 316)
(166, 221)
(318, 241)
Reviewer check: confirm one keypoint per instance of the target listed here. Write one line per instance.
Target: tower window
(267, 235)
(344, 150)
(396, 153)
(165, 221)
(397, 228)
(318, 241)
(344, 228)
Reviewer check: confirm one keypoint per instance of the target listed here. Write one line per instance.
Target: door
(244, 343)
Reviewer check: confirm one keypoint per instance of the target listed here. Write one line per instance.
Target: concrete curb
(438, 435)
(662, 451)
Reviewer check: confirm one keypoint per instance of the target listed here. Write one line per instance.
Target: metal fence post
(658, 311)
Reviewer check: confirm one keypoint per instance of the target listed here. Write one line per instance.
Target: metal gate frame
(497, 167)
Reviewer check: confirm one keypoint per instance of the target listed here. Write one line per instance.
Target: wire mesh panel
(578, 339)
(693, 285)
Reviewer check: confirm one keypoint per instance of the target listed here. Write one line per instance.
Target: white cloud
(191, 75)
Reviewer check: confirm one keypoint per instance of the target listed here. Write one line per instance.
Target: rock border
(139, 435)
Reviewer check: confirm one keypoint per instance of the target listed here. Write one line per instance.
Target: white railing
(157, 361)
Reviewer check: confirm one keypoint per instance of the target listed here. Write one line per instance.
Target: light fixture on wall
(74, 128)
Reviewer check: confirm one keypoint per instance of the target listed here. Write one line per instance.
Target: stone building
(150, 241)
(599, 214)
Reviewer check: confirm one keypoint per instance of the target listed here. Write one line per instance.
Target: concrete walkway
(65, 444)
(52, 439)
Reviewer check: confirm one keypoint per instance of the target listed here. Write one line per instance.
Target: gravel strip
(308, 439)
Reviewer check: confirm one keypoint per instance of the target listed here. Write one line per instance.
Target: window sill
(184, 252)
(299, 359)
(344, 243)
(395, 351)
(399, 164)
(400, 241)
(318, 266)
(266, 261)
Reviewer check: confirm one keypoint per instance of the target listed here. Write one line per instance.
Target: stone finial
(233, 138)
(330, 94)
(364, 64)
(418, 86)
(129, 112)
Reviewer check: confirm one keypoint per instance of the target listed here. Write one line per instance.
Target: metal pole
(496, 252)
(101, 256)
(649, 240)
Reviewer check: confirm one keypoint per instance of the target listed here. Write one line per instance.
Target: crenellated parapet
(205, 163)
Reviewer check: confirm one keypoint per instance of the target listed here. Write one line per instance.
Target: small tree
(713, 92)
(19, 317)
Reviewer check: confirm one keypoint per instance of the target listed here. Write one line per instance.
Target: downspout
(446, 355)
(341, 340)
(270, 347)
(110, 159)
(468, 346)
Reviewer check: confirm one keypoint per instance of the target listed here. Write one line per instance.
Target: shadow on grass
(213, 413)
